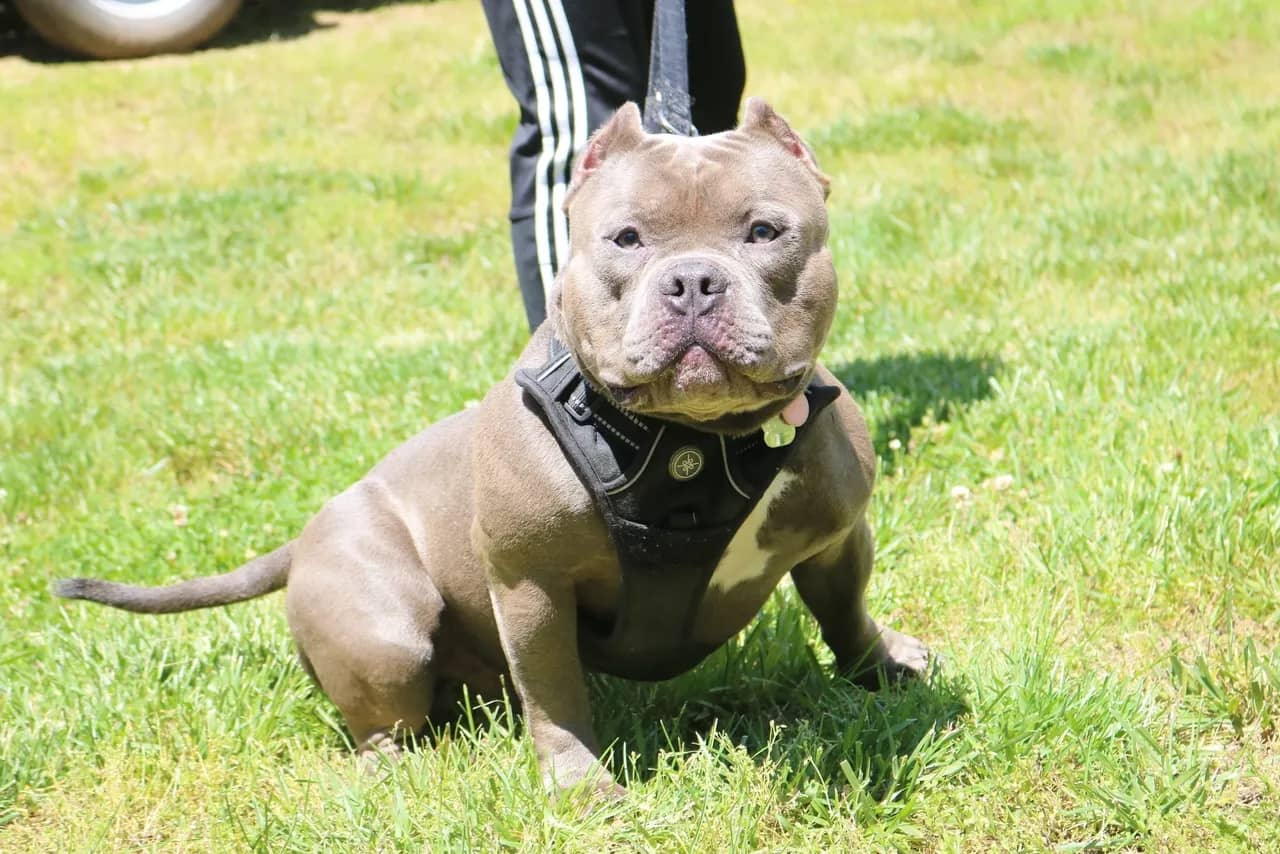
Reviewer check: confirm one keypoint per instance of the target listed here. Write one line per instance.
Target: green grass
(231, 281)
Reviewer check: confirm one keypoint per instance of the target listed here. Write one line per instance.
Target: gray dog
(665, 451)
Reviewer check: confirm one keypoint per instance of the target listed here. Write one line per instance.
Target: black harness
(672, 498)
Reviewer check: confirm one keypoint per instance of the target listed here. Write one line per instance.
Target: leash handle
(668, 107)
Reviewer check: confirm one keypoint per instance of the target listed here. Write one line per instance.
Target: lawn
(231, 281)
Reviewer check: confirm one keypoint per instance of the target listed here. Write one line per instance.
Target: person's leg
(613, 48)
(717, 69)
(514, 37)
(524, 248)
(569, 64)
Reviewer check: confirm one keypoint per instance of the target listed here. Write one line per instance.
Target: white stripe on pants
(562, 119)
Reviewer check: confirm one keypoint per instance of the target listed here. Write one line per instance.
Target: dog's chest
(745, 559)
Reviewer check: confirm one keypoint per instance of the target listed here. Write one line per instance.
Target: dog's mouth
(785, 387)
(701, 388)
(697, 367)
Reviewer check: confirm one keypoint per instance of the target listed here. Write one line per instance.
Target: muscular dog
(612, 504)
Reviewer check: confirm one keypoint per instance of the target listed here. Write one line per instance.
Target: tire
(118, 29)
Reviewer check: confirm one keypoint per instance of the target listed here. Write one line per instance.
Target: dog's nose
(694, 286)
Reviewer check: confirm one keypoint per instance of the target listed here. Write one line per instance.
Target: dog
(667, 448)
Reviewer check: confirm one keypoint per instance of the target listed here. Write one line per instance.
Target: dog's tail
(258, 577)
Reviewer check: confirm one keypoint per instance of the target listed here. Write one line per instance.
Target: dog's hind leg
(382, 678)
(384, 691)
(365, 615)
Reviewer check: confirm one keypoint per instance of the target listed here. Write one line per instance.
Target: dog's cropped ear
(622, 132)
(761, 118)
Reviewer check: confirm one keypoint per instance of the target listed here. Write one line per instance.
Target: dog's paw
(592, 785)
(378, 753)
(608, 790)
(904, 656)
(890, 657)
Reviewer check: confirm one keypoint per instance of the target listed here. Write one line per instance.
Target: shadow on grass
(257, 21)
(764, 694)
(897, 392)
(768, 694)
(273, 20)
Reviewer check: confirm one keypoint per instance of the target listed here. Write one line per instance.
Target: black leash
(668, 107)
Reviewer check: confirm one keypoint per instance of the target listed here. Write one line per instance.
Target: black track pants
(570, 64)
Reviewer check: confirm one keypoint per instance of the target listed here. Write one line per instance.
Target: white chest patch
(744, 560)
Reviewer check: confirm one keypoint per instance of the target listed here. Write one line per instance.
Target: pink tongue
(796, 412)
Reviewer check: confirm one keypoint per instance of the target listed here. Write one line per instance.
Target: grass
(231, 281)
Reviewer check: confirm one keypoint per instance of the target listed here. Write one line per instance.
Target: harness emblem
(686, 463)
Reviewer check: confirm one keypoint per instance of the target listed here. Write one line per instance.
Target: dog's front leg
(833, 585)
(538, 626)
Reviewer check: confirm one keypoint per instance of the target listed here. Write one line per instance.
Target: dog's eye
(628, 238)
(762, 232)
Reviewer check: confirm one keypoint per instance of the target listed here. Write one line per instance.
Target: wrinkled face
(699, 287)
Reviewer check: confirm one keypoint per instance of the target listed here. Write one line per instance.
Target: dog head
(698, 287)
